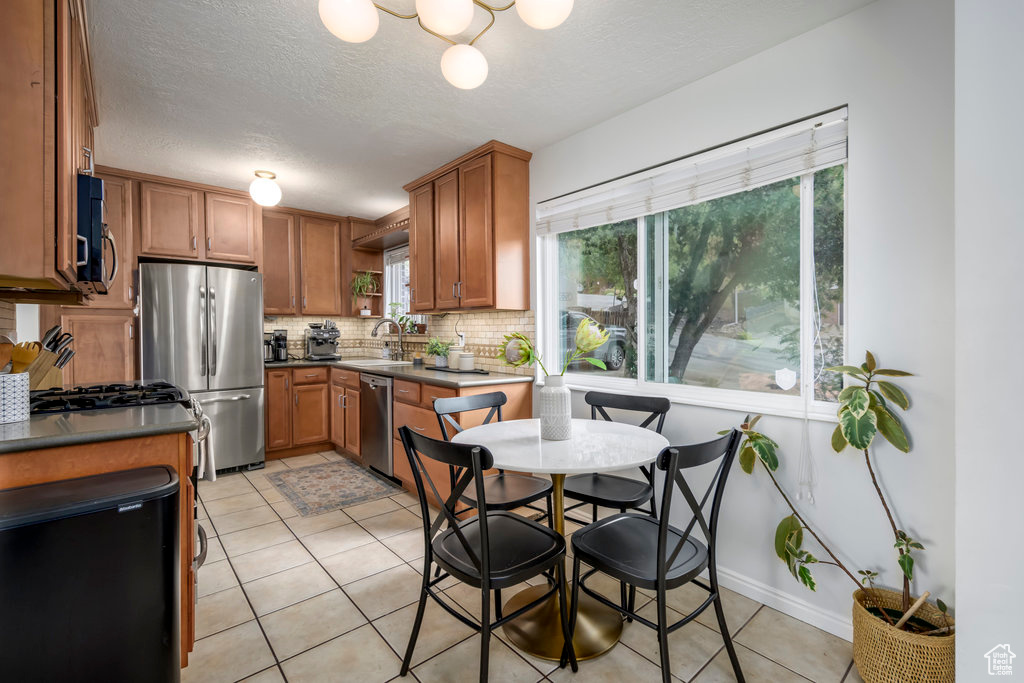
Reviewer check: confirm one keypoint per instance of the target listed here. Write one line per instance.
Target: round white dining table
(595, 446)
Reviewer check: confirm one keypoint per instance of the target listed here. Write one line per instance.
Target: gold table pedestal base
(539, 631)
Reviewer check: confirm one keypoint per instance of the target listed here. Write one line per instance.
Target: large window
(738, 288)
(396, 283)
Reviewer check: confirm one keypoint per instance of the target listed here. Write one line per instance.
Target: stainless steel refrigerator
(201, 328)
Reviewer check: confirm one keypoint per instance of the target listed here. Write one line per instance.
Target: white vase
(555, 409)
(440, 361)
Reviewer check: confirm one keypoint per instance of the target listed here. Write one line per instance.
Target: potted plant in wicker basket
(895, 637)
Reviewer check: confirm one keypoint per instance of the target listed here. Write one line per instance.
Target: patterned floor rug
(321, 488)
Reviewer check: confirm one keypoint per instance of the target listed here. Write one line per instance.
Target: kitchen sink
(376, 363)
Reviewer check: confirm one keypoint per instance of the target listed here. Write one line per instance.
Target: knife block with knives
(43, 372)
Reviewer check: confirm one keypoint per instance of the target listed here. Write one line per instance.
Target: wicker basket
(884, 654)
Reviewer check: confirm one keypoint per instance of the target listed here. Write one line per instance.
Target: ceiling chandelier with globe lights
(463, 65)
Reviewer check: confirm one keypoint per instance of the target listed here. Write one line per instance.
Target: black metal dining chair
(649, 552)
(610, 490)
(505, 491)
(490, 551)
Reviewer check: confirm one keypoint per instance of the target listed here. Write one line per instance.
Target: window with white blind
(719, 277)
(396, 283)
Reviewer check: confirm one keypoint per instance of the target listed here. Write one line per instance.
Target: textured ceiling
(210, 90)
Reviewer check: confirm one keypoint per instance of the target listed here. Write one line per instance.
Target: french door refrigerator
(201, 328)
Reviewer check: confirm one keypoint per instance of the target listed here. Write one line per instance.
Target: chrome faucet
(401, 353)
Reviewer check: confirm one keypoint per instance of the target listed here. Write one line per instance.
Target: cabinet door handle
(339, 401)
(296, 399)
(403, 391)
(131, 330)
(209, 244)
(131, 296)
(193, 243)
(303, 301)
(454, 295)
(293, 301)
(285, 382)
(459, 283)
(344, 401)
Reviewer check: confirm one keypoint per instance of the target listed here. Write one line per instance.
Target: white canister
(555, 409)
(13, 397)
(466, 361)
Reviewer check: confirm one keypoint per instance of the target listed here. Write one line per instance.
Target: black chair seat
(507, 491)
(624, 546)
(519, 549)
(607, 490)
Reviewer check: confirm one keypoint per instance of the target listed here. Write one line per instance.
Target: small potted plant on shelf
(439, 350)
(363, 285)
(895, 638)
(555, 399)
(407, 324)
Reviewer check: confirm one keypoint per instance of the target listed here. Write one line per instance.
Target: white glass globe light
(464, 66)
(354, 21)
(264, 191)
(543, 14)
(446, 17)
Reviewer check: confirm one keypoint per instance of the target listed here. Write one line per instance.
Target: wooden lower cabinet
(338, 416)
(352, 418)
(309, 414)
(26, 468)
(278, 388)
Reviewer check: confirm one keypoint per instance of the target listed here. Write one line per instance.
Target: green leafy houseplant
(407, 324)
(866, 409)
(517, 350)
(436, 347)
(363, 284)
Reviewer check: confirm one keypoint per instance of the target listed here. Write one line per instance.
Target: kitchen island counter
(91, 426)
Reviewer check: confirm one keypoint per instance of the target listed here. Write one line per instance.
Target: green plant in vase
(518, 350)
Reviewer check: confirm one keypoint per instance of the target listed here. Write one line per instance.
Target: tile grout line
(259, 624)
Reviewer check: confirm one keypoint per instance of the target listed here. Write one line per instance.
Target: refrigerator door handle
(240, 397)
(213, 331)
(202, 330)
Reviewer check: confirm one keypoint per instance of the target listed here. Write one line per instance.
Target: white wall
(892, 63)
(989, 330)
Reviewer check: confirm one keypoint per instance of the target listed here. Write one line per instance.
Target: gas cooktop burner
(102, 396)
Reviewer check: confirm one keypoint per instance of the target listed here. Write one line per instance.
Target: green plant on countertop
(865, 410)
(436, 347)
(517, 350)
(363, 284)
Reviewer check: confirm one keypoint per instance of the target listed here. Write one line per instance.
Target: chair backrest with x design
(446, 407)
(470, 461)
(672, 460)
(655, 406)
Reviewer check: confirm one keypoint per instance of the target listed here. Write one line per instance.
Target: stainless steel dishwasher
(375, 431)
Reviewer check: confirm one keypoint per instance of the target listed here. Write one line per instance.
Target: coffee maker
(322, 341)
(268, 347)
(280, 345)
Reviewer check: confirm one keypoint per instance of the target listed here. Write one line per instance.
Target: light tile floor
(332, 598)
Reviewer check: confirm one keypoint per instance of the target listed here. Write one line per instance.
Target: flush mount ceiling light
(264, 191)
(463, 65)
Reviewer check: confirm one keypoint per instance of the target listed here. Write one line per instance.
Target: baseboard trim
(837, 624)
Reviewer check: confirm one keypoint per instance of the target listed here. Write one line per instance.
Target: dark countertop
(89, 426)
(416, 373)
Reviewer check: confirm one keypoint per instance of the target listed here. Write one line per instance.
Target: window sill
(739, 401)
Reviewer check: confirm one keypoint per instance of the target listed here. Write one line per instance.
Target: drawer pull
(313, 375)
(403, 391)
(420, 429)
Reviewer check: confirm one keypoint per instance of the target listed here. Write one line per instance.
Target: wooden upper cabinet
(280, 273)
(117, 214)
(104, 347)
(230, 228)
(320, 266)
(476, 235)
(48, 117)
(421, 248)
(446, 240)
(279, 409)
(171, 220)
(479, 207)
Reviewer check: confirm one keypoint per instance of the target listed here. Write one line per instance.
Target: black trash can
(89, 579)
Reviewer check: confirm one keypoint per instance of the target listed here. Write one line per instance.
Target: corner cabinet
(469, 230)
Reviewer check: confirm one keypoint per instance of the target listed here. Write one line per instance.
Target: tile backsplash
(8, 319)
(484, 333)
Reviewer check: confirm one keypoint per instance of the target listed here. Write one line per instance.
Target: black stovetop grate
(101, 396)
